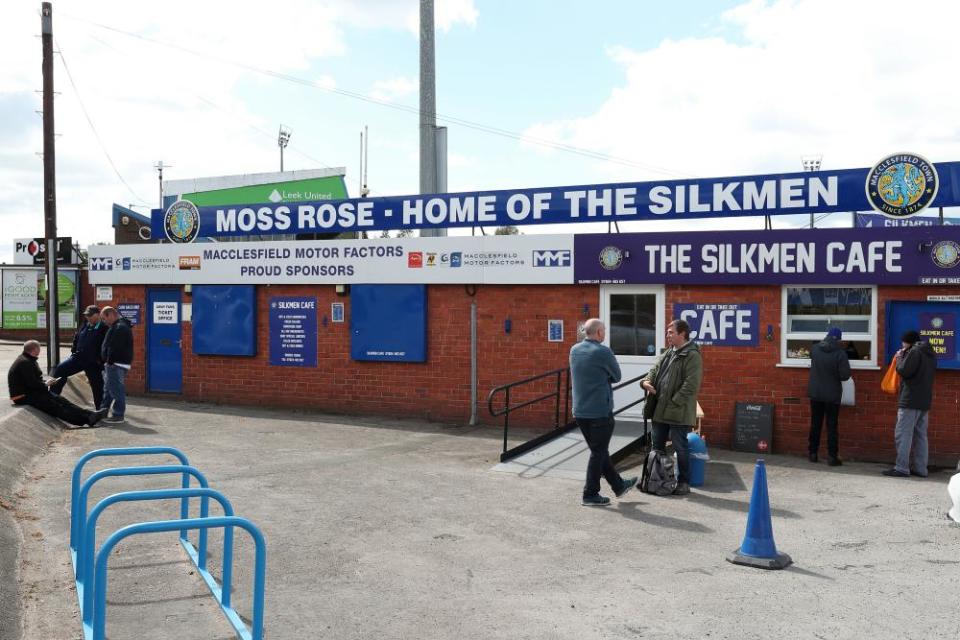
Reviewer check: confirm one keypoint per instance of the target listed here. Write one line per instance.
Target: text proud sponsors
(256, 261)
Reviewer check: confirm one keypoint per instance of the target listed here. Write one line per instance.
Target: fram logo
(189, 263)
(552, 258)
(101, 264)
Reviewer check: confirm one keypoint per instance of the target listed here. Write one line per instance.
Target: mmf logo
(552, 258)
(101, 264)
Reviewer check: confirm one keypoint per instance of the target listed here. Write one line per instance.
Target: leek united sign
(899, 186)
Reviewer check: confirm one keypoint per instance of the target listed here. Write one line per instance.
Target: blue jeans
(678, 434)
(114, 393)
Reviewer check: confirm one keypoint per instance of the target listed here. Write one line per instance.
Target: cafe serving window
(808, 312)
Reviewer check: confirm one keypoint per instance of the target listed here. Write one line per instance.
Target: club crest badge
(946, 254)
(611, 258)
(181, 222)
(902, 185)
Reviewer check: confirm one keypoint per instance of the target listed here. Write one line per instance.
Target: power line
(93, 128)
(588, 153)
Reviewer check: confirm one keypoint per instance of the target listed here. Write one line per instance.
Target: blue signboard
(388, 322)
(130, 311)
(936, 322)
(887, 186)
(868, 220)
(293, 331)
(721, 324)
(225, 319)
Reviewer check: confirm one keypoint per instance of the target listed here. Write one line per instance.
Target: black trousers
(58, 407)
(597, 433)
(74, 365)
(819, 411)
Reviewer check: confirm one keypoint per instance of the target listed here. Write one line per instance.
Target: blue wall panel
(225, 320)
(388, 322)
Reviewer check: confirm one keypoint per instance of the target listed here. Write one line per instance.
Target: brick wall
(751, 374)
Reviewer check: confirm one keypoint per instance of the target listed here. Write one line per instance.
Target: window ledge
(869, 367)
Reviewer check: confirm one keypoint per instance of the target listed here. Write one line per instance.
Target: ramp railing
(90, 565)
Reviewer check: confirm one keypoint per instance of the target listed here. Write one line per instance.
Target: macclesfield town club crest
(181, 222)
(902, 185)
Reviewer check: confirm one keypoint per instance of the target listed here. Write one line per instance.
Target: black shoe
(834, 462)
(96, 416)
(813, 458)
(919, 475)
(682, 489)
(114, 419)
(628, 483)
(895, 473)
(595, 501)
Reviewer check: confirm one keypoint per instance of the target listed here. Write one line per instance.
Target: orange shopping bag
(891, 381)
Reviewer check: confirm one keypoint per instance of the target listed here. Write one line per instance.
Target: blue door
(164, 355)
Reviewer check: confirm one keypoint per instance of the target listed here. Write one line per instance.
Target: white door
(635, 331)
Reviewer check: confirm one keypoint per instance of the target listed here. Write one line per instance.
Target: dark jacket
(829, 366)
(593, 367)
(118, 343)
(88, 341)
(25, 377)
(676, 376)
(915, 368)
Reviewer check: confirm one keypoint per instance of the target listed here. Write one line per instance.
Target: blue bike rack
(90, 567)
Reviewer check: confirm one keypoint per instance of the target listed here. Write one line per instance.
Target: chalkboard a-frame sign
(753, 427)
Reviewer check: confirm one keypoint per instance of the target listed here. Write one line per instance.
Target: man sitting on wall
(85, 356)
(28, 388)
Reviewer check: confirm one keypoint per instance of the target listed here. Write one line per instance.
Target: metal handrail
(507, 408)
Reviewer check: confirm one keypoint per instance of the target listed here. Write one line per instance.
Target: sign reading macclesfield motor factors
(899, 186)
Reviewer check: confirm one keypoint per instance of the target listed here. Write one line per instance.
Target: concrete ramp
(566, 455)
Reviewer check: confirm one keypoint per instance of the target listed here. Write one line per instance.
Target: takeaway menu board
(753, 427)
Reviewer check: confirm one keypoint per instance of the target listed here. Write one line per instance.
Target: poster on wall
(936, 322)
(293, 331)
(130, 311)
(939, 329)
(721, 324)
(20, 293)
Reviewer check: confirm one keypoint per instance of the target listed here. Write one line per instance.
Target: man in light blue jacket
(593, 369)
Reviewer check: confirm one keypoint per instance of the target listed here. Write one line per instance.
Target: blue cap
(835, 332)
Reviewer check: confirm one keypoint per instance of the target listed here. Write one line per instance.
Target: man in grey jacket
(829, 367)
(593, 367)
(916, 364)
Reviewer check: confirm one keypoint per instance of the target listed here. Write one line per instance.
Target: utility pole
(160, 167)
(49, 185)
(428, 109)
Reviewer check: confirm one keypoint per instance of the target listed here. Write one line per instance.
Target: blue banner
(869, 220)
(757, 195)
(721, 324)
(293, 331)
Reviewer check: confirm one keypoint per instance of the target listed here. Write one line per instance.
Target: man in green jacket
(672, 385)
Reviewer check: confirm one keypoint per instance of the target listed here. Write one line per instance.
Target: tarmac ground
(382, 528)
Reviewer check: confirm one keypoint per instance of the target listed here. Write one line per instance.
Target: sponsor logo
(33, 248)
(946, 254)
(552, 258)
(181, 222)
(101, 264)
(611, 258)
(902, 185)
(275, 196)
(415, 260)
(126, 264)
(493, 259)
(431, 259)
(189, 263)
(456, 259)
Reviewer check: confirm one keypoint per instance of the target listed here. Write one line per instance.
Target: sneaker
(834, 462)
(628, 483)
(96, 416)
(113, 419)
(595, 501)
(919, 475)
(682, 489)
(813, 458)
(895, 473)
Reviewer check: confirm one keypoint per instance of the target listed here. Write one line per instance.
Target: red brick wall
(866, 430)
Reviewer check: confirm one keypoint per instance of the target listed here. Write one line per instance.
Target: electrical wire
(93, 128)
(588, 153)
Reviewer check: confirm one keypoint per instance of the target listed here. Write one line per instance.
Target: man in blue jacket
(85, 356)
(593, 367)
(117, 355)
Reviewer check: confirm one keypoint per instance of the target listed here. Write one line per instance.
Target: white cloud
(393, 89)
(851, 81)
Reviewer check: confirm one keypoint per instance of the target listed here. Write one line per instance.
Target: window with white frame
(808, 312)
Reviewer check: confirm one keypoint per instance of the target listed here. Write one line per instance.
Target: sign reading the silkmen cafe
(900, 185)
(913, 255)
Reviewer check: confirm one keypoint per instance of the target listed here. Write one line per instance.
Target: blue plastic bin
(698, 459)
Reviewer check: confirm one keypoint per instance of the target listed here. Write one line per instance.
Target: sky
(652, 90)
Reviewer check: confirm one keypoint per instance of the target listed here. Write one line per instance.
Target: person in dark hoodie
(27, 387)
(85, 356)
(829, 367)
(916, 365)
(117, 355)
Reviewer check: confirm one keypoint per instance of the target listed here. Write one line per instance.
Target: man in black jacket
(27, 387)
(916, 364)
(117, 355)
(829, 367)
(85, 356)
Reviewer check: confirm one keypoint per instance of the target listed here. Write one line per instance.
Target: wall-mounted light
(507, 325)
(188, 289)
(586, 310)
(342, 289)
(770, 332)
